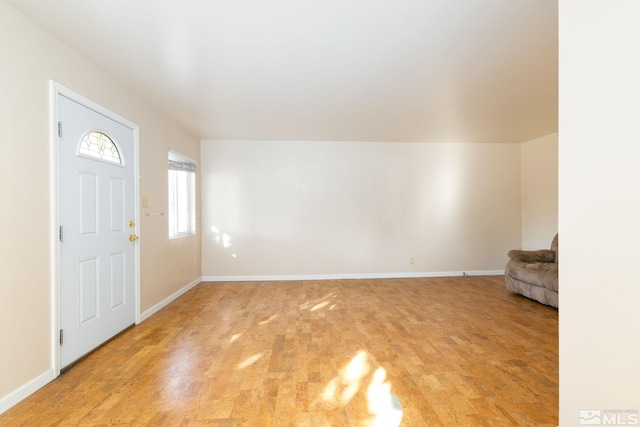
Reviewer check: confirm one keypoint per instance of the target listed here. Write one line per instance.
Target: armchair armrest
(542, 255)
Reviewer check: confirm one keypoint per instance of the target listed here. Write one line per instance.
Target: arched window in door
(100, 146)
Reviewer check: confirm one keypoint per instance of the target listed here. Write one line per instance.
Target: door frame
(56, 89)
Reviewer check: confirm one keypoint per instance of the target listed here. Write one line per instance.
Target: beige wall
(30, 57)
(348, 208)
(539, 192)
(599, 206)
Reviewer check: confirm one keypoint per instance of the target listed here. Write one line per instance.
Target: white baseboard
(168, 300)
(26, 390)
(351, 276)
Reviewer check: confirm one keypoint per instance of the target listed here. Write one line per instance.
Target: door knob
(133, 237)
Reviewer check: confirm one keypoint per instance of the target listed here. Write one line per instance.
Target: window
(100, 146)
(182, 195)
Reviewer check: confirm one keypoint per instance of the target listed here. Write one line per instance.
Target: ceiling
(349, 70)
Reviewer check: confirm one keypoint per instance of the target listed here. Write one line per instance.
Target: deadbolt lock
(132, 223)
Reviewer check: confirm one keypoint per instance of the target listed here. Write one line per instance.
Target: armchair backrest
(554, 246)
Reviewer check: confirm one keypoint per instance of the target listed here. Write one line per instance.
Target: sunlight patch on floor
(346, 384)
(270, 319)
(318, 303)
(383, 407)
(249, 361)
(319, 306)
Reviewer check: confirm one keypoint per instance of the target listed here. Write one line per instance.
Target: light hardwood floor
(448, 351)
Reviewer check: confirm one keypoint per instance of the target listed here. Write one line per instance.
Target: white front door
(96, 191)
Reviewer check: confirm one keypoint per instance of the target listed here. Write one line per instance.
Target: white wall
(599, 206)
(275, 208)
(30, 57)
(539, 192)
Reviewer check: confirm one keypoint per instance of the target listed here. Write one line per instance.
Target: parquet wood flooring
(457, 351)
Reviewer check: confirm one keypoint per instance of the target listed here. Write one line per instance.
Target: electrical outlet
(182, 273)
(411, 260)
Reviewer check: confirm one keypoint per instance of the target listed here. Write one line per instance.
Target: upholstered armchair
(534, 274)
